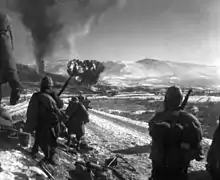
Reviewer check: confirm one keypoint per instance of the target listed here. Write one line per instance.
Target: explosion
(55, 24)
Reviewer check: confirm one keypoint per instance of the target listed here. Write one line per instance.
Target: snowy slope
(150, 72)
(106, 133)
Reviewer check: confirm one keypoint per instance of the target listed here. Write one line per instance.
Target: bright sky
(176, 30)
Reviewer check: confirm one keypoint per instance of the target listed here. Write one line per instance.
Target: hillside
(30, 80)
(150, 72)
(109, 135)
(143, 75)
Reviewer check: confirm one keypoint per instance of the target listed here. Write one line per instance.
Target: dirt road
(118, 135)
(131, 139)
(108, 135)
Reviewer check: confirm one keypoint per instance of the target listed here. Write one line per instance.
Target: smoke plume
(55, 24)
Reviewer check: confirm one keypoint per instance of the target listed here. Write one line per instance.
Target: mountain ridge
(147, 72)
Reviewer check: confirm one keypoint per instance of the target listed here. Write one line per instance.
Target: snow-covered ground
(195, 98)
(16, 165)
(107, 133)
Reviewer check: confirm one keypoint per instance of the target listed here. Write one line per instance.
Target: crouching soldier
(78, 117)
(176, 137)
(213, 157)
(8, 69)
(43, 116)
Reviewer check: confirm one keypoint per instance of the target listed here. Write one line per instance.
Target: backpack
(79, 110)
(168, 130)
(169, 133)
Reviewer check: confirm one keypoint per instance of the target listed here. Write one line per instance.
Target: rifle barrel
(186, 99)
(65, 85)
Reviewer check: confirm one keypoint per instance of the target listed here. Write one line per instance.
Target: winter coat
(78, 117)
(36, 111)
(166, 141)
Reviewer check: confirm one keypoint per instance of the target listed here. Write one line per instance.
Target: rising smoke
(55, 24)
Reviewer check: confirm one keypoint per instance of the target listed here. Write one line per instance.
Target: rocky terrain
(106, 133)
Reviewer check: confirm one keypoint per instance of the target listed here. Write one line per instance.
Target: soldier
(78, 117)
(213, 156)
(176, 137)
(43, 116)
(8, 69)
(194, 110)
(81, 97)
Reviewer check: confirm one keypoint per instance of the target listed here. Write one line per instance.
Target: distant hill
(151, 72)
(158, 73)
(128, 76)
(30, 80)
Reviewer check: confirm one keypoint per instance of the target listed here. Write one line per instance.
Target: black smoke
(51, 22)
(44, 27)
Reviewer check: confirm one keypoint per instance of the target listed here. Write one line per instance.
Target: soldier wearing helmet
(78, 117)
(43, 115)
(176, 136)
(173, 98)
(8, 69)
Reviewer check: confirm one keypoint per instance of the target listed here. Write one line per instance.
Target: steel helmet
(173, 97)
(46, 82)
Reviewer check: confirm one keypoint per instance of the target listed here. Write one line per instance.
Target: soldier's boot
(51, 159)
(35, 149)
(199, 155)
(16, 88)
(15, 96)
(82, 144)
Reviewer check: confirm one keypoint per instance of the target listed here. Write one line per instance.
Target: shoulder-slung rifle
(182, 106)
(65, 85)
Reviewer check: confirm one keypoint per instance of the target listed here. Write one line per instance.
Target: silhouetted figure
(176, 137)
(213, 157)
(8, 69)
(78, 117)
(43, 116)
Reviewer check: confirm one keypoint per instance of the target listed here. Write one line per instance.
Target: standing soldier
(8, 69)
(176, 137)
(213, 156)
(43, 115)
(78, 117)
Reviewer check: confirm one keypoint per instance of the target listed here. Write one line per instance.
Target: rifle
(43, 167)
(65, 85)
(185, 99)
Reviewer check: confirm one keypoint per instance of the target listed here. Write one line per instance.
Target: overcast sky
(176, 30)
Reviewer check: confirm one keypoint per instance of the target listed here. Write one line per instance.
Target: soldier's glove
(185, 146)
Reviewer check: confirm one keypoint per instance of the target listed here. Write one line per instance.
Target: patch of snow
(139, 112)
(120, 132)
(192, 99)
(111, 129)
(141, 97)
(139, 123)
(16, 165)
